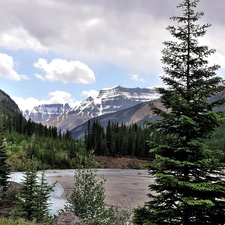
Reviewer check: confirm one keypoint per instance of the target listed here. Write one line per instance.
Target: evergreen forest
(52, 149)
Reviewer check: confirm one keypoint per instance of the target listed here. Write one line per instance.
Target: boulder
(67, 218)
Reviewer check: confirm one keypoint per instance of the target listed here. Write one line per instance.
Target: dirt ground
(108, 162)
(125, 190)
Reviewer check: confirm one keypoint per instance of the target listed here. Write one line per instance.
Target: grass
(7, 221)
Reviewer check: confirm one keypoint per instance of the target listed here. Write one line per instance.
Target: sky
(62, 51)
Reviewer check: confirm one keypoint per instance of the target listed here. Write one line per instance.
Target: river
(123, 187)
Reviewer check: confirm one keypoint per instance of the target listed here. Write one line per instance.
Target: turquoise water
(56, 200)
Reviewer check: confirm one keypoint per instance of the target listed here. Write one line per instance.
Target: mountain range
(117, 105)
(138, 114)
(46, 111)
(108, 101)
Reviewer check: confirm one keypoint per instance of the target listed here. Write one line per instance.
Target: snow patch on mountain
(46, 111)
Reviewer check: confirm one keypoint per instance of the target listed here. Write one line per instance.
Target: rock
(67, 218)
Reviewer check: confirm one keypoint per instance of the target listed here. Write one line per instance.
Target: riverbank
(125, 189)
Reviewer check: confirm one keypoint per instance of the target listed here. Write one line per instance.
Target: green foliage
(109, 216)
(217, 142)
(9, 221)
(34, 196)
(189, 183)
(4, 168)
(50, 153)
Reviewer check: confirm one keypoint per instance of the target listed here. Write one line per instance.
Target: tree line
(123, 140)
(15, 122)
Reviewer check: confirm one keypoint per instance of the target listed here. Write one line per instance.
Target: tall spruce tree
(4, 167)
(189, 185)
(34, 195)
(28, 207)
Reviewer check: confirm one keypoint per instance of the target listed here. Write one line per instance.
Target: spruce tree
(34, 195)
(28, 207)
(189, 185)
(43, 195)
(4, 167)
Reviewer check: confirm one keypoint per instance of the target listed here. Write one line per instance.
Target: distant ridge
(136, 114)
(46, 111)
(109, 100)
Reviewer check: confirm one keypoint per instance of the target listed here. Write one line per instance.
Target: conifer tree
(189, 186)
(27, 207)
(4, 167)
(34, 195)
(43, 195)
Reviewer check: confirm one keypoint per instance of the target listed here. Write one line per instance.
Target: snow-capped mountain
(46, 111)
(109, 100)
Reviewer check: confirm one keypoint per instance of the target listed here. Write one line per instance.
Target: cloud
(62, 70)
(61, 97)
(92, 93)
(7, 68)
(27, 103)
(18, 38)
(128, 33)
(136, 77)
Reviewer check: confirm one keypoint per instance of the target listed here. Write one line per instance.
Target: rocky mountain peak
(46, 111)
(109, 100)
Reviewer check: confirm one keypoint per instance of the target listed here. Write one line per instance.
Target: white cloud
(92, 93)
(61, 97)
(136, 77)
(65, 71)
(39, 76)
(7, 68)
(28, 103)
(18, 38)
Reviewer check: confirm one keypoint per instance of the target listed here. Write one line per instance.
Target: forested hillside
(26, 139)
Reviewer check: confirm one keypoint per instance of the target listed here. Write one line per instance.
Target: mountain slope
(136, 114)
(7, 105)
